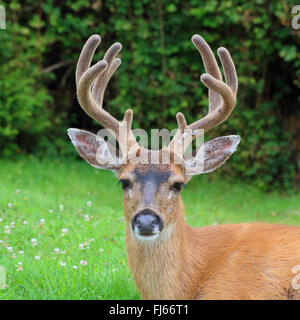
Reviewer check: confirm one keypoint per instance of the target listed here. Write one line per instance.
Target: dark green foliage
(159, 75)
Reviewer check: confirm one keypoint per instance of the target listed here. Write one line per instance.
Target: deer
(168, 258)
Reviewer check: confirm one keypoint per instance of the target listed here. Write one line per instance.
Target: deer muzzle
(146, 224)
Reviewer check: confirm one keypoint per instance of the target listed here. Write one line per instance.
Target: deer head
(151, 191)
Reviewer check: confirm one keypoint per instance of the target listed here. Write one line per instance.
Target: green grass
(31, 190)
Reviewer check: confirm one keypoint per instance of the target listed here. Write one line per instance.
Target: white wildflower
(20, 268)
(83, 262)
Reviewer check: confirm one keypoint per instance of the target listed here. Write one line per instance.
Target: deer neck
(157, 266)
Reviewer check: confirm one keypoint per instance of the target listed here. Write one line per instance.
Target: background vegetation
(159, 74)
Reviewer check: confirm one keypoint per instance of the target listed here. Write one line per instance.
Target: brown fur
(234, 261)
(242, 261)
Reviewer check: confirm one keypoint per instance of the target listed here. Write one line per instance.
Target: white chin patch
(146, 238)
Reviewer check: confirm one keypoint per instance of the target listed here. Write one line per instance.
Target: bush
(23, 97)
(159, 75)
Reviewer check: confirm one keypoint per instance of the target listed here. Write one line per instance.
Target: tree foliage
(159, 75)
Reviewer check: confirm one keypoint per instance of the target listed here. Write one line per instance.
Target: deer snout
(146, 223)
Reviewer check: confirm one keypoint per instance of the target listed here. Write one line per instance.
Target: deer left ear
(211, 155)
(95, 150)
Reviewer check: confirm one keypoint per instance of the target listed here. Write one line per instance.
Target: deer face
(151, 196)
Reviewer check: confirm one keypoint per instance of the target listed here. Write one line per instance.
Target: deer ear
(211, 155)
(94, 149)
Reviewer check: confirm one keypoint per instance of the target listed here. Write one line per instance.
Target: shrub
(159, 75)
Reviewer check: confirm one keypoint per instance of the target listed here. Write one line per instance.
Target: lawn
(62, 227)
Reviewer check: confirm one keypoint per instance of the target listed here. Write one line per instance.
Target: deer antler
(91, 83)
(222, 96)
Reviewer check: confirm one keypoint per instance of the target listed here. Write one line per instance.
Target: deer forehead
(155, 174)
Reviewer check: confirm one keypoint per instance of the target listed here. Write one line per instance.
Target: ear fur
(94, 149)
(214, 153)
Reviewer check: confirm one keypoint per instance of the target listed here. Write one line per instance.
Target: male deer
(169, 259)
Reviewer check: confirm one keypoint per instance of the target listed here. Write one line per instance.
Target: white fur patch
(157, 237)
(146, 238)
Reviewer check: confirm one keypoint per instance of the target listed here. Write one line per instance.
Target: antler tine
(222, 96)
(91, 84)
(103, 79)
(211, 67)
(86, 55)
(220, 112)
(229, 69)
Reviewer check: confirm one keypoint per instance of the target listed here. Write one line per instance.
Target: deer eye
(177, 186)
(126, 184)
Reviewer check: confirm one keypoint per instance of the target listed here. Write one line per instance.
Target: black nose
(147, 222)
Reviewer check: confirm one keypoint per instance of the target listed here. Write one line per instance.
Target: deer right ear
(95, 150)
(211, 155)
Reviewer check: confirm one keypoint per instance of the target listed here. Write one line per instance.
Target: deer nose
(147, 223)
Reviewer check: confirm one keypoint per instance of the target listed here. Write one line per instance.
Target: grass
(87, 203)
